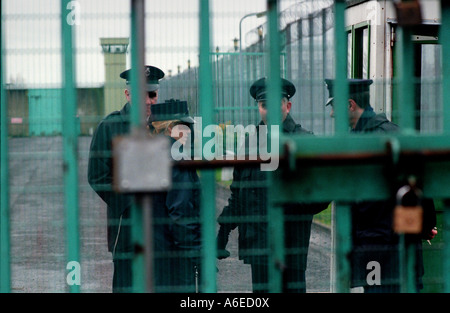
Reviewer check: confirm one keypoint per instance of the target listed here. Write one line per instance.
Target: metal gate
(57, 247)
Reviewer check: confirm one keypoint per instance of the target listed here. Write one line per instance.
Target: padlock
(408, 217)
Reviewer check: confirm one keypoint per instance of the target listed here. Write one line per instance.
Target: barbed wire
(313, 17)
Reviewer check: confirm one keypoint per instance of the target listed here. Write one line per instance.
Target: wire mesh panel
(38, 217)
(185, 176)
(36, 206)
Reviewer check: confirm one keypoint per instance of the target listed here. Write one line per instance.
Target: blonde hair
(161, 127)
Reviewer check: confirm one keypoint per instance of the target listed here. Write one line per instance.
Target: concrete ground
(38, 238)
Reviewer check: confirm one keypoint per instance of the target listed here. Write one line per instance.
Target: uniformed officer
(152, 77)
(100, 177)
(372, 232)
(362, 117)
(247, 209)
(178, 236)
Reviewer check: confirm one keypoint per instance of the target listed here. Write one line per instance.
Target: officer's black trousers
(122, 275)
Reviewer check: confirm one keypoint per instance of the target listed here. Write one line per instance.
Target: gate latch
(141, 164)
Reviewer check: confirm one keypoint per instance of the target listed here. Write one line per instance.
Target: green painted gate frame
(320, 158)
(5, 271)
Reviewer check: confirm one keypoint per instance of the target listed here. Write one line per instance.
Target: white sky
(33, 35)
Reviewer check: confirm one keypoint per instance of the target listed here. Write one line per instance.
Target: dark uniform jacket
(369, 122)
(177, 232)
(247, 208)
(177, 212)
(373, 235)
(170, 207)
(100, 173)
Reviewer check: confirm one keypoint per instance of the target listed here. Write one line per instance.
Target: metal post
(343, 247)
(444, 38)
(241, 67)
(405, 80)
(312, 70)
(342, 210)
(333, 265)
(407, 265)
(406, 116)
(138, 115)
(341, 86)
(70, 142)
(446, 254)
(5, 269)
(275, 214)
(258, 15)
(147, 223)
(142, 265)
(207, 178)
(324, 54)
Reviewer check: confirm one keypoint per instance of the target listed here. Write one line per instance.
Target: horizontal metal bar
(354, 182)
(315, 160)
(391, 20)
(323, 168)
(340, 150)
(205, 164)
(316, 146)
(239, 53)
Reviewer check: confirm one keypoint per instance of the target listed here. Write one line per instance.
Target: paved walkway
(37, 225)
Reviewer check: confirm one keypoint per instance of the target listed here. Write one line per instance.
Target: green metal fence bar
(274, 70)
(444, 37)
(369, 144)
(343, 247)
(70, 142)
(405, 84)
(407, 265)
(446, 253)
(207, 178)
(340, 84)
(5, 269)
(137, 63)
(274, 213)
(405, 80)
(139, 269)
(343, 216)
(340, 160)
